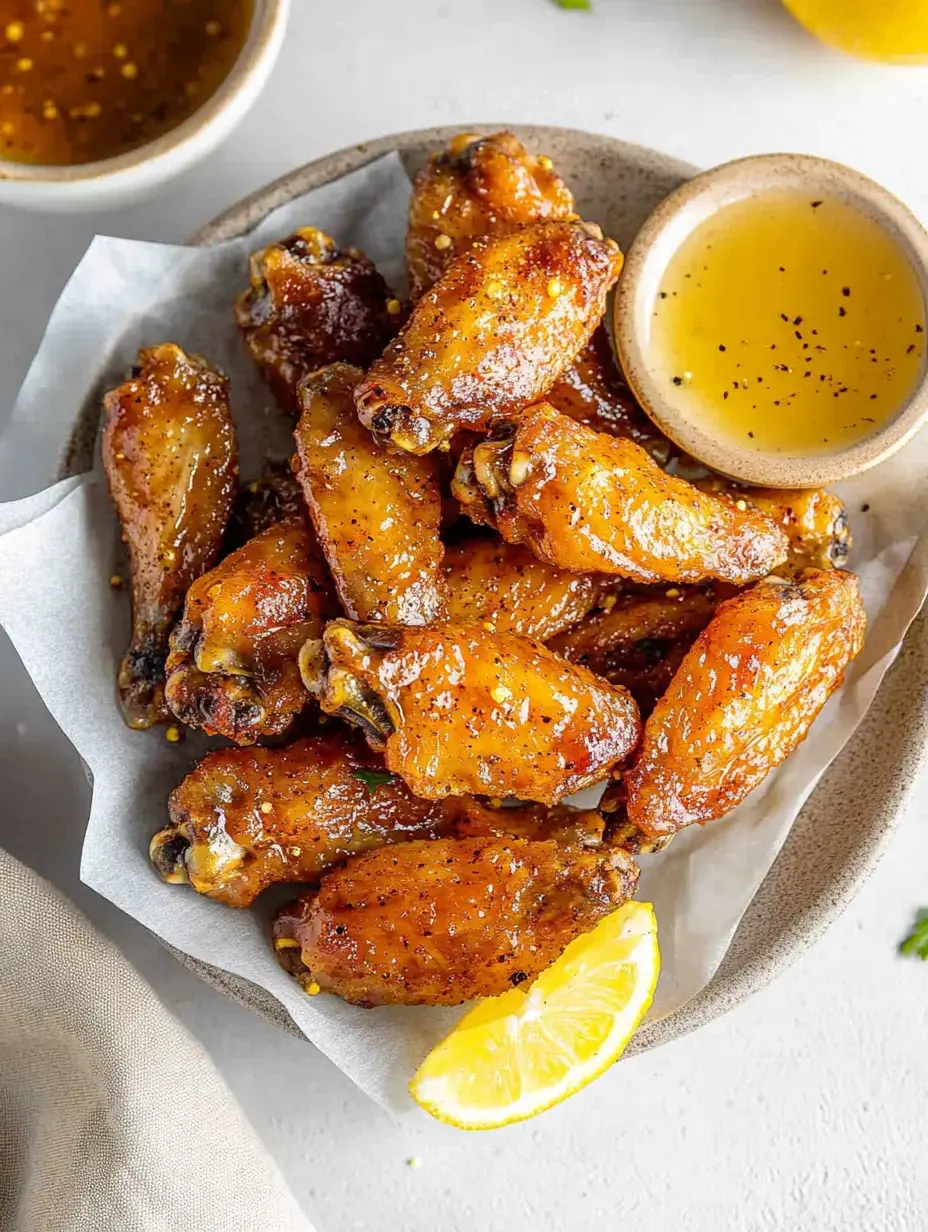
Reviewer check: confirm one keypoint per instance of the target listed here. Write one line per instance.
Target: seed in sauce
(64, 106)
(767, 266)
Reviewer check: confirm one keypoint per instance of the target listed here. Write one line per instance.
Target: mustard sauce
(790, 323)
(82, 80)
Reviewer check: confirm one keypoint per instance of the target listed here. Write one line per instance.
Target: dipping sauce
(790, 323)
(82, 80)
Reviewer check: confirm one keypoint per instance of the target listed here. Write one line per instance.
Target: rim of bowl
(264, 34)
(649, 256)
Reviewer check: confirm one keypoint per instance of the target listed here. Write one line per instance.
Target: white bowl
(113, 182)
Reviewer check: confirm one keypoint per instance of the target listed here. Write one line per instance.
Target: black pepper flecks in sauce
(767, 267)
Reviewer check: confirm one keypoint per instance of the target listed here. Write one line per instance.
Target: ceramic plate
(840, 834)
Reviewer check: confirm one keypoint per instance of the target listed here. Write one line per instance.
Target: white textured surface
(804, 1110)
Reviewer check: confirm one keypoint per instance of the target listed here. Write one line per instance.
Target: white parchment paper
(59, 548)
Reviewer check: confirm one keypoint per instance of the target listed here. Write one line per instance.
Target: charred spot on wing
(167, 852)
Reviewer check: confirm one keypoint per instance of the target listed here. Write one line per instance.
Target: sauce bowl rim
(651, 253)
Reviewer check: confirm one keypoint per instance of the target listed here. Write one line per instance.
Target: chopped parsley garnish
(372, 779)
(916, 943)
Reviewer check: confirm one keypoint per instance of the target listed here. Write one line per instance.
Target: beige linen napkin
(112, 1118)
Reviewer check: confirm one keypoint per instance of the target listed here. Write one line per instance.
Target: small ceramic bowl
(659, 239)
(116, 181)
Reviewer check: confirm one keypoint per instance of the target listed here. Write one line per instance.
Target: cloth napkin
(112, 1118)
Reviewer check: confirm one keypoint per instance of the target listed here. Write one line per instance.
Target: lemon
(515, 1055)
(875, 29)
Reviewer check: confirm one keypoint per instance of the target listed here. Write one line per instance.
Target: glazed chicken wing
(633, 619)
(593, 392)
(440, 923)
(169, 453)
(476, 186)
(376, 512)
(495, 332)
(745, 695)
(245, 818)
(460, 710)
(275, 497)
(312, 303)
(640, 641)
(233, 667)
(593, 503)
(813, 520)
(507, 585)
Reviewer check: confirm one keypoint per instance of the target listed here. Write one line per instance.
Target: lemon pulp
(513, 1056)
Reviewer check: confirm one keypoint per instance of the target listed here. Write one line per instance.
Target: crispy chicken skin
(377, 512)
(593, 503)
(744, 697)
(169, 453)
(497, 330)
(311, 303)
(476, 186)
(463, 711)
(245, 818)
(444, 922)
(233, 666)
(593, 392)
(507, 585)
(813, 520)
(274, 497)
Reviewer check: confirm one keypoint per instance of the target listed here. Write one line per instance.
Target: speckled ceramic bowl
(672, 222)
(840, 834)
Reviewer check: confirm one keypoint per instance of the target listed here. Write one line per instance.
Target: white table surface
(805, 1109)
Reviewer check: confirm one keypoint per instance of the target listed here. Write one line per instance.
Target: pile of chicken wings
(479, 585)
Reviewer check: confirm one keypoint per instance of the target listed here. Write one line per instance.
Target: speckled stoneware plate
(839, 836)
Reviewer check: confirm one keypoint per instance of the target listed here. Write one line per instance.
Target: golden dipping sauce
(82, 80)
(790, 323)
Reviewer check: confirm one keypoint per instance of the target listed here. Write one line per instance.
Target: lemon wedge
(893, 30)
(515, 1055)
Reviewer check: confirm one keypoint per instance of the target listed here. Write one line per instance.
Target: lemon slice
(515, 1055)
(893, 30)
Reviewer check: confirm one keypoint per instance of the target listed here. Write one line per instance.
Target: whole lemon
(894, 30)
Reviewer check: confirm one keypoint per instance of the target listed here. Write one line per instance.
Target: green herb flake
(574, 4)
(916, 943)
(372, 779)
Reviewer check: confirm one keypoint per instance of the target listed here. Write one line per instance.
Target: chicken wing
(169, 453)
(744, 697)
(233, 667)
(246, 818)
(477, 186)
(639, 643)
(592, 503)
(813, 520)
(460, 710)
(443, 922)
(508, 585)
(312, 303)
(592, 391)
(275, 497)
(376, 512)
(665, 616)
(496, 331)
